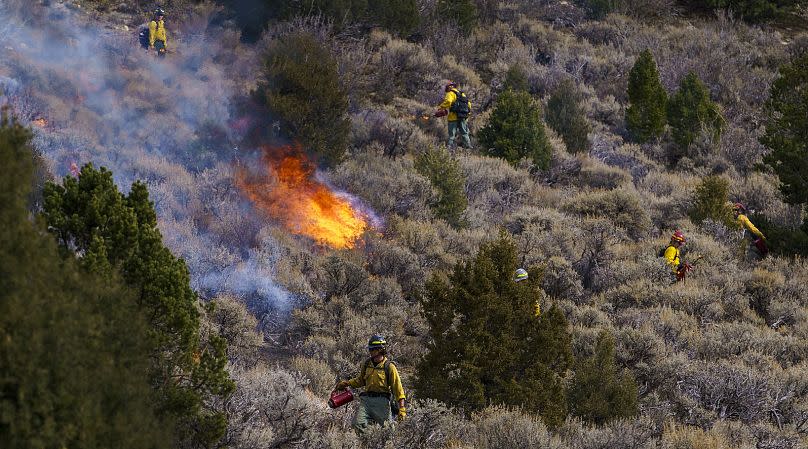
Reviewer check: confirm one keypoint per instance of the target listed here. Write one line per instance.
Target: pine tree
(302, 86)
(645, 116)
(447, 177)
(712, 201)
(787, 130)
(691, 112)
(116, 233)
(515, 130)
(566, 116)
(599, 393)
(487, 346)
(74, 354)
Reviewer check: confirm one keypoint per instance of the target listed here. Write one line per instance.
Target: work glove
(341, 385)
(402, 413)
(441, 112)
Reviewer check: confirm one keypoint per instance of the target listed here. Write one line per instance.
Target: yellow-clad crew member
(157, 32)
(381, 382)
(671, 253)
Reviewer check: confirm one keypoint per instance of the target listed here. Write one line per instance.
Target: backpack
(461, 106)
(393, 401)
(662, 251)
(143, 37)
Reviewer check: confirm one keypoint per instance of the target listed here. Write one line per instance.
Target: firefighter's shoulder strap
(387, 362)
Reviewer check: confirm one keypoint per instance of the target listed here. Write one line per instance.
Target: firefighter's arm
(152, 32)
(448, 99)
(748, 225)
(398, 391)
(672, 258)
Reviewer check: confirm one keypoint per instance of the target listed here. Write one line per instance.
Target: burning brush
(286, 189)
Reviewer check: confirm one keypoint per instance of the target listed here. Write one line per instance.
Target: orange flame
(288, 192)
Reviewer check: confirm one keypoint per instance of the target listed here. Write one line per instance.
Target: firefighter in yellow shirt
(756, 238)
(671, 255)
(457, 108)
(157, 32)
(382, 384)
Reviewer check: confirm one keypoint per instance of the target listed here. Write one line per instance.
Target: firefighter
(757, 241)
(157, 33)
(383, 390)
(521, 275)
(456, 107)
(671, 255)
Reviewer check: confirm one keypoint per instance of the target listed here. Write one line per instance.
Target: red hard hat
(678, 236)
(450, 85)
(738, 206)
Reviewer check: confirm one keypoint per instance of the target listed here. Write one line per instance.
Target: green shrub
(787, 130)
(599, 393)
(691, 114)
(515, 130)
(621, 207)
(302, 86)
(515, 79)
(462, 13)
(711, 200)
(566, 116)
(480, 321)
(448, 179)
(645, 116)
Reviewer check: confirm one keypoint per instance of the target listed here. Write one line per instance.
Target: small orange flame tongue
(288, 192)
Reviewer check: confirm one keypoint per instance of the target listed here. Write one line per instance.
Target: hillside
(302, 185)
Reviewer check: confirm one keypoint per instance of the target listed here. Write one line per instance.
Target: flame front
(288, 192)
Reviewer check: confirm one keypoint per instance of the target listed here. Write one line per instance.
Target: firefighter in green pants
(383, 390)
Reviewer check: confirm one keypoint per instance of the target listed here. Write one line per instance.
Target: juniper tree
(462, 13)
(446, 176)
(301, 85)
(74, 354)
(566, 116)
(691, 113)
(599, 393)
(115, 233)
(515, 130)
(787, 130)
(645, 116)
(787, 137)
(487, 346)
(711, 200)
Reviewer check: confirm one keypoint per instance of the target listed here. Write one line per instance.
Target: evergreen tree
(691, 112)
(566, 116)
(487, 346)
(515, 130)
(447, 178)
(462, 13)
(399, 16)
(74, 355)
(302, 86)
(645, 116)
(787, 130)
(712, 201)
(598, 393)
(116, 233)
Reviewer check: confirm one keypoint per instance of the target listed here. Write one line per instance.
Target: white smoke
(93, 95)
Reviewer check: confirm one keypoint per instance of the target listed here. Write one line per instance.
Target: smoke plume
(91, 94)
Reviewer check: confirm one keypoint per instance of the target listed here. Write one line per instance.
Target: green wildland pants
(372, 410)
(460, 126)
